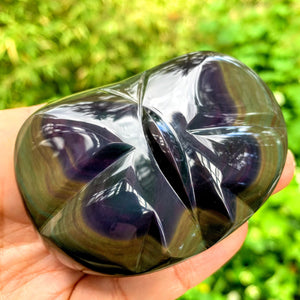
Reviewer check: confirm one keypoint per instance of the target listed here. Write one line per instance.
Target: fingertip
(287, 173)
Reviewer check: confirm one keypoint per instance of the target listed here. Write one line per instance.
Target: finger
(10, 122)
(166, 284)
(287, 174)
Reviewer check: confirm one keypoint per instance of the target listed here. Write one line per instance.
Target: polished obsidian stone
(138, 175)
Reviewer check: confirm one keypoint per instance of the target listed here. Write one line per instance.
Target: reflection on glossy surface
(138, 175)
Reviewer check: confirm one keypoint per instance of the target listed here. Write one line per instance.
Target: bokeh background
(49, 49)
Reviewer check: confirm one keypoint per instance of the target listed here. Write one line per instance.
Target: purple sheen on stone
(135, 176)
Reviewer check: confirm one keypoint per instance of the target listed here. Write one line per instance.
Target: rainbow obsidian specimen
(138, 175)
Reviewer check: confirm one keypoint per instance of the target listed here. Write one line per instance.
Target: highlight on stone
(138, 175)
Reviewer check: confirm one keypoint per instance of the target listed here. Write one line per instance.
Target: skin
(29, 271)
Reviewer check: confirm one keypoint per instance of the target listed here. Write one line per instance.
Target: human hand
(29, 271)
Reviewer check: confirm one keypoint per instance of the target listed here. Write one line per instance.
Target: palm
(29, 271)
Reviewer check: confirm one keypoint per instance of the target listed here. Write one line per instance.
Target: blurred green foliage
(49, 49)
